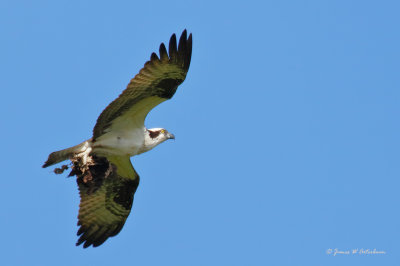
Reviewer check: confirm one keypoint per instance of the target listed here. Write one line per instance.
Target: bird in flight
(106, 178)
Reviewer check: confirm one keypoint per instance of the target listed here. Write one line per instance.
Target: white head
(155, 136)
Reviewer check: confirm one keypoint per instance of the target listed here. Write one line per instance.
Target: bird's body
(121, 143)
(118, 140)
(105, 176)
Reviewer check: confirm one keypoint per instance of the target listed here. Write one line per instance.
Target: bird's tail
(59, 156)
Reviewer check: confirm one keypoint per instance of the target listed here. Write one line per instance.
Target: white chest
(120, 142)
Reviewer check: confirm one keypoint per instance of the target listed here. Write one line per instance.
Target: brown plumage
(106, 198)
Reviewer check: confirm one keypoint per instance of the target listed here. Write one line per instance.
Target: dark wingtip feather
(163, 52)
(87, 244)
(89, 237)
(84, 238)
(182, 48)
(182, 41)
(80, 231)
(172, 49)
(79, 242)
(180, 52)
(101, 239)
(154, 57)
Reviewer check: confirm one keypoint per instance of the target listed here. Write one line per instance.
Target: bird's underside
(106, 178)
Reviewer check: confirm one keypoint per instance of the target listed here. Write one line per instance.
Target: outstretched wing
(107, 187)
(156, 82)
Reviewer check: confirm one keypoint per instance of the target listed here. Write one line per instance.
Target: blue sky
(287, 133)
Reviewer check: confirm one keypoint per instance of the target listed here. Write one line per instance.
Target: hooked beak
(170, 136)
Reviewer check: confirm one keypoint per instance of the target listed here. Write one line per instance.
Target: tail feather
(59, 156)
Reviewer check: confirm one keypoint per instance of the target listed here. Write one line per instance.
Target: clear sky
(287, 131)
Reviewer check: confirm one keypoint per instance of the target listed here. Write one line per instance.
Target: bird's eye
(163, 131)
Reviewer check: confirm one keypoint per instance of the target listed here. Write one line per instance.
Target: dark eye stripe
(154, 134)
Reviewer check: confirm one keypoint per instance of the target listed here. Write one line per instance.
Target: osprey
(106, 178)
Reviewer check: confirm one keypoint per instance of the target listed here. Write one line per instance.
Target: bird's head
(160, 134)
(155, 136)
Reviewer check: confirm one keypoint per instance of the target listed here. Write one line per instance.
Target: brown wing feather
(107, 187)
(159, 78)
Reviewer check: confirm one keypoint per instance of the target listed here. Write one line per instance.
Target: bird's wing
(107, 187)
(156, 82)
